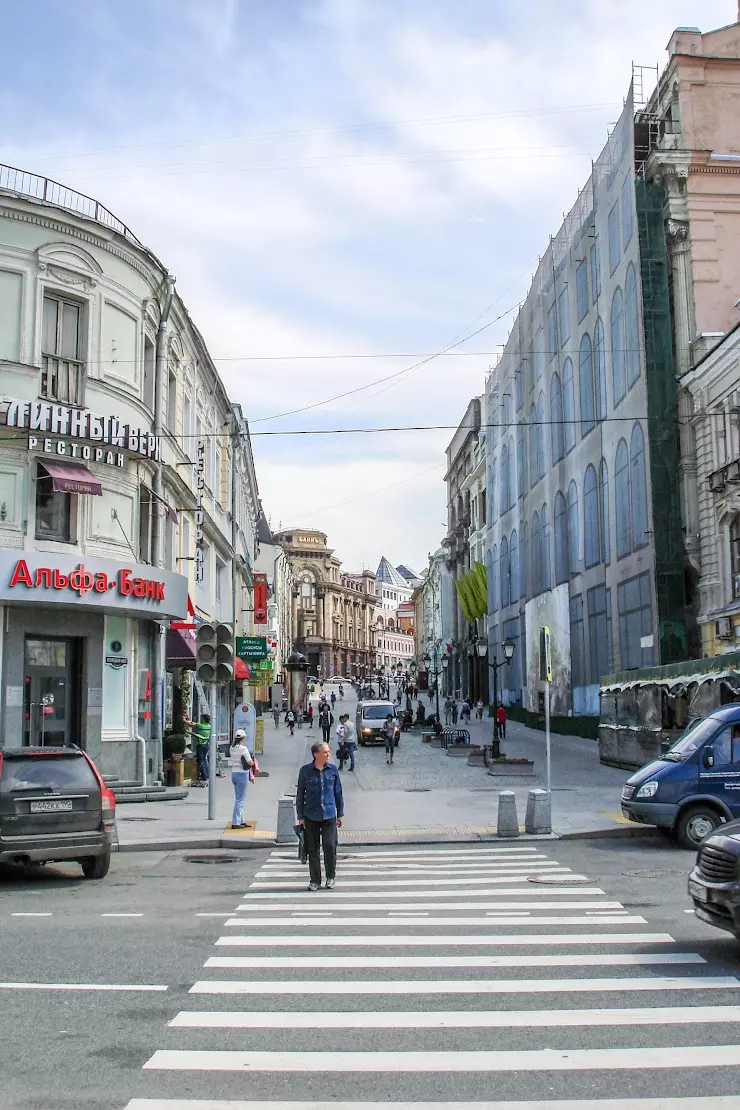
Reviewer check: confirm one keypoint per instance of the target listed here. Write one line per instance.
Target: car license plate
(696, 890)
(55, 805)
(626, 813)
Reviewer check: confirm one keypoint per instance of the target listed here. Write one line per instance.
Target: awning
(181, 648)
(71, 478)
(242, 670)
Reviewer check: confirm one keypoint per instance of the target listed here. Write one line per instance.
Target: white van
(370, 721)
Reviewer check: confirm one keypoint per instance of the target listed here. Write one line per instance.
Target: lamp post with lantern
(482, 648)
(427, 663)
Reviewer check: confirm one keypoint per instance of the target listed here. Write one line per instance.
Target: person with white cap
(241, 761)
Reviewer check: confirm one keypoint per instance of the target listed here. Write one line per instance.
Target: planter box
(510, 766)
(457, 750)
(427, 737)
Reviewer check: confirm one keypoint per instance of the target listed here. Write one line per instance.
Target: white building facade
(128, 497)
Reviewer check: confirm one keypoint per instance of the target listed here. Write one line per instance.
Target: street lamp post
(427, 663)
(482, 649)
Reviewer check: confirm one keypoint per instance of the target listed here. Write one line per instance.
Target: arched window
(512, 474)
(490, 578)
(556, 418)
(545, 548)
(492, 501)
(638, 489)
(308, 593)
(541, 454)
(586, 385)
(631, 327)
(617, 346)
(622, 503)
(534, 574)
(532, 446)
(505, 573)
(524, 571)
(493, 579)
(561, 540)
(569, 407)
(521, 459)
(604, 512)
(574, 554)
(600, 370)
(504, 503)
(514, 566)
(591, 529)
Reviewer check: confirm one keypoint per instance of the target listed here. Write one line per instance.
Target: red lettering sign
(260, 599)
(81, 581)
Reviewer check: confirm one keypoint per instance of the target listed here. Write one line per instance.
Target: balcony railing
(60, 379)
(31, 185)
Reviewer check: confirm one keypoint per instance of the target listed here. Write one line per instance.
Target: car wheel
(696, 823)
(95, 867)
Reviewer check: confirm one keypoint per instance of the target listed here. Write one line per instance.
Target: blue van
(695, 786)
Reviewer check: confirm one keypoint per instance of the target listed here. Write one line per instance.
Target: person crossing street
(326, 720)
(320, 810)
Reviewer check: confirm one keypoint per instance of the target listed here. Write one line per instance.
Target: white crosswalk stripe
(413, 944)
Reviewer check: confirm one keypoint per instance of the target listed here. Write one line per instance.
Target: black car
(54, 806)
(714, 884)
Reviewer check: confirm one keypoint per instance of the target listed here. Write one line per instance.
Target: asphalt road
(407, 1029)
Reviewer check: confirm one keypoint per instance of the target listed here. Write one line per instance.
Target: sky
(343, 189)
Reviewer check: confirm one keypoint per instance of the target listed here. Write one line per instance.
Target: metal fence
(26, 184)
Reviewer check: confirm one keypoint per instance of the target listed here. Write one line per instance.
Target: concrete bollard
(286, 820)
(538, 818)
(508, 822)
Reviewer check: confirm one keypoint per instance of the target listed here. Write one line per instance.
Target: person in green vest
(202, 738)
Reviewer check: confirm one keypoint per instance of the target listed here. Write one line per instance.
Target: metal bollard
(538, 818)
(508, 822)
(286, 820)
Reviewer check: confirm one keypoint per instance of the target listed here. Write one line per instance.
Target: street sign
(264, 665)
(259, 736)
(545, 655)
(251, 647)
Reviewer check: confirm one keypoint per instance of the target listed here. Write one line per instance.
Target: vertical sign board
(200, 481)
(260, 599)
(546, 677)
(244, 717)
(259, 736)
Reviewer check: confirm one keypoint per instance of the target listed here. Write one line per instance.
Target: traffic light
(224, 653)
(205, 653)
(215, 652)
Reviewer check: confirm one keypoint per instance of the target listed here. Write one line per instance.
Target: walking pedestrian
(309, 714)
(501, 722)
(389, 733)
(448, 711)
(333, 699)
(326, 720)
(342, 753)
(201, 733)
(465, 711)
(290, 721)
(276, 716)
(479, 709)
(320, 809)
(241, 761)
(350, 740)
(453, 711)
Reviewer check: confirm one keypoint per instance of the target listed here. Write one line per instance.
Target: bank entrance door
(51, 692)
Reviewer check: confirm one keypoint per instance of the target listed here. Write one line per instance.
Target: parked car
(695, 786)
(54, 806)
(370, 721)
(714, 883)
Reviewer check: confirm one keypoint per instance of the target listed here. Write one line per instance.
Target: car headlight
(367, 731)
(648, 789)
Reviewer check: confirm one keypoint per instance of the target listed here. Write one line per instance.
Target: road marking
(469, 879)
(542, 904)
(30, 914)
(397, 913)
(403, 866)
(122, 915)
(281, 920)
(716, 1102)
(530, 891)
(383, 940)
(455, 1019)
(541, 1060)
(581, 959)
(489, 919)
(464, 986)
(424, 873)
(432, 853)
(80, 987)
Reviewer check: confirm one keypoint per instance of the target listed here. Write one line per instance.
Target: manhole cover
(213, 859)
(557, 880)
(417, 789)
(647, 873)
(138, 818)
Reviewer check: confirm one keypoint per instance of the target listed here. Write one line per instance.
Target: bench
(451, 736)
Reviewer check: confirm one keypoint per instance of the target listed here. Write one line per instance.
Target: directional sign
(251, 647)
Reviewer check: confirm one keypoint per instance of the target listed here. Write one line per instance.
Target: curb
(609, 833)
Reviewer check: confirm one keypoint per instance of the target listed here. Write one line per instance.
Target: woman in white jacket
(240, 761)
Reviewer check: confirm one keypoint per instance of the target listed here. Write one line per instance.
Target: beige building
(333, 613)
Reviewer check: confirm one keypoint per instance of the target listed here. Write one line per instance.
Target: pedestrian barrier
(538, 818)
(508, 821)
(286, 820)
(454, 736)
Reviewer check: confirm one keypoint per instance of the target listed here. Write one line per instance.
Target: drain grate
(417, 789)
(138, 818)
(214, 859)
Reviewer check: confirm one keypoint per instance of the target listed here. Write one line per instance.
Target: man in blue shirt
(319, 807)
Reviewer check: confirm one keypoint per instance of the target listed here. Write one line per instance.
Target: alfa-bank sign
(56, 429)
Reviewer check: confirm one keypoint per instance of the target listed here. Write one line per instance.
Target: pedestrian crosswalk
(446, 978)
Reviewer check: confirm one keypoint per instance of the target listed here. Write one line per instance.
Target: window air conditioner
(717, 481)
(723, 628)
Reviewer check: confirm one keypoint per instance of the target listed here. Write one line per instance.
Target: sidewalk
(426, 796)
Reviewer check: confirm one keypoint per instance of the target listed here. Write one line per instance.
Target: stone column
(679, 260)
(320, 612)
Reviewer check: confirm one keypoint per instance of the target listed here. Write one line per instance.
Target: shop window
(581, 290)
(569, 407)
(577, 642)
(55, 511)
(61, 350)
(556, 418)
(735, 555)
(634, 607)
